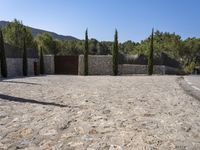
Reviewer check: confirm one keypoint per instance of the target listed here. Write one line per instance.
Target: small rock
(106, 111)
(26, 131)
(87, 138)
(115, 147)
(45, 144)
(79, 130)
(65, 126)
(3, 115)
(148, 115)
(76, 144)
(15, 120)
(93, 131)
(48, 132)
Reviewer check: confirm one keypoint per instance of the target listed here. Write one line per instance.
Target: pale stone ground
(104, 112)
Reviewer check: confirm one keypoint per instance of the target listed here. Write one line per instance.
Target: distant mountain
(39, 31)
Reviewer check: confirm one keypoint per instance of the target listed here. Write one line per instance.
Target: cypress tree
(86, 54)
(115, 54)
(151, 54)
(41, 62)
(25, 61)
(3, 56)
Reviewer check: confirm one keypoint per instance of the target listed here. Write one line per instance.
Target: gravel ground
(98, 112)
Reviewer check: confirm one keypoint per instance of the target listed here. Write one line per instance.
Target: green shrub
(190, 68)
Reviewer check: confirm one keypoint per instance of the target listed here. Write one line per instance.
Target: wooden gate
(66, 65)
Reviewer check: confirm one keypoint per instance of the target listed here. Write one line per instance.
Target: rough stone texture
(102, 65)
(14, 66)
(133, 59)
(139, 69)
(170, 62)
(161, 70)
(161, 60)
(102, 112)
(97, 65)
(171, 70)
(49, 64)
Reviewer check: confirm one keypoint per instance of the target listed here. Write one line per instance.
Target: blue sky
(134, 19)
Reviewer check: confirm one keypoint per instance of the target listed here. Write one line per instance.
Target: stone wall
(102, 65)
(139, 69)
(14, 66)
(49, 65)
(160, 60)
(97, 65)
(173, 71)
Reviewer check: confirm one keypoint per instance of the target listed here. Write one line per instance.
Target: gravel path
(98, 112)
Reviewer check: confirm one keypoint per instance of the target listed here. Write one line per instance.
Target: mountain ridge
(36, 31)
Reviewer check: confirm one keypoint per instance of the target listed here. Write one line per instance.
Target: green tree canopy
(190, 51)
(70, 47)
(163, 42)
(47, 43)
(14, 34)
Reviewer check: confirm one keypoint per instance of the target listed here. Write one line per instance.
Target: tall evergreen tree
(151, 54)
(86, 54)
(41, 61)
(25, 61)
(3, 56)
(115, 54)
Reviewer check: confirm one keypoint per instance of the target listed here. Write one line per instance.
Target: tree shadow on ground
(20, 82)
(10, 79)
(23, 100)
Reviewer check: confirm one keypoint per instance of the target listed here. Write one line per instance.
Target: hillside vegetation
(36, 31)
(185, 51)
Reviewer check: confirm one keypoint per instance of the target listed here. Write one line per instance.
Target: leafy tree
(80, 46)
(93, 46)
(150, 60)
(41, 61)
(109, 46)
(128, 47)
(14, 34)
(190, 50)
(86, 53)
(103, 48)
(190, 53)
(186, 51)
(45, 40)
(25, 61)
(70, 47)
(190, 67)
(115, 54)
(169, 43)
(3, 56)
